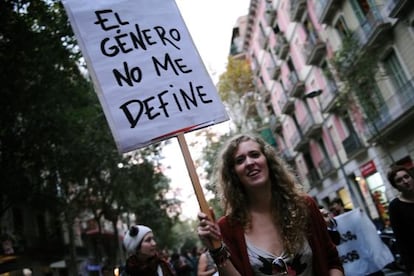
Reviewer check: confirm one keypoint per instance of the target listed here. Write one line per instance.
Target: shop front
(373, 190)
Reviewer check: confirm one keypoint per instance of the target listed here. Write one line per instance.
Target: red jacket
(324, 253)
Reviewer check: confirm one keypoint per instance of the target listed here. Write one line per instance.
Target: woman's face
(148, 245)
(250, 164)
(404, 182)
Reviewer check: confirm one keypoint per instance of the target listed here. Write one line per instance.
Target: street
(390, 272)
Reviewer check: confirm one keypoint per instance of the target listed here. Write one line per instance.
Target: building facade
(334, 83)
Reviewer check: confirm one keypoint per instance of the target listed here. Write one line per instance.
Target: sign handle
(195, 181)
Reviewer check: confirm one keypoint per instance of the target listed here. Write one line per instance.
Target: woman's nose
(249, 161)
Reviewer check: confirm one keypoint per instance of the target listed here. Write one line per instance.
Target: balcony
(326, 10)
(286, 104)
(263, 41)
(256, 66)
(275, 123)
(397, 112)
(352, 145)
(297, 8)
(314, 50)
(282, 46)
(274, 72)
(397, 8)
(270, 14)
(310, 128)
(373, 31)
(314, 178)
(287, 155)
(326, 167)
(330, 95)
(298, 141)
(295, 87)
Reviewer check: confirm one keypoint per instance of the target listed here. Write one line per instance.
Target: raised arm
(208, 232)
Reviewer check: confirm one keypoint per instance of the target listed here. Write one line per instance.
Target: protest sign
(147, 73)
(361, 249)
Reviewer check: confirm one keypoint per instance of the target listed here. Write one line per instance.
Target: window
(326, 71)
(361, 9)
(310, 31)
(325, 154)
(394, 70)
(342, 28)
(262, 36)
(372, 102)
(290, 65)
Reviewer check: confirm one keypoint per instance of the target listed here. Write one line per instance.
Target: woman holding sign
(271, 227)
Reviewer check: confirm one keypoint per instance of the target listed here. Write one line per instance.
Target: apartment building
(334, 83)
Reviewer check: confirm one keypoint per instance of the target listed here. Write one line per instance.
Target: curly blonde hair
(288, 201)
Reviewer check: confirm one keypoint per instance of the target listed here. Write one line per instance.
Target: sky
(210, 23)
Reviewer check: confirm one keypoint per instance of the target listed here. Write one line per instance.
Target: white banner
(361, 249)
(148, 75)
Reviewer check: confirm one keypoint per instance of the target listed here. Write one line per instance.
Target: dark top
(335, 236)
(333, 232)
(324, 253)
(136, 267)
(402, 223)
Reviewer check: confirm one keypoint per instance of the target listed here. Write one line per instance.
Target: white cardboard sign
(149, 77)
(361, 249)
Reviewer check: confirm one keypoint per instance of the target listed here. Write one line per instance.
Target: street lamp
(316, 94)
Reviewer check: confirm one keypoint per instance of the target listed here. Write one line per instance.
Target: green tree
(55, 146)
(358, 70)
(207, 162)
(44, 94)
(237, 78)
(236, 89)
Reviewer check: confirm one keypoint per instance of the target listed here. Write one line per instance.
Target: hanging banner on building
(361, 249)
(146, 70)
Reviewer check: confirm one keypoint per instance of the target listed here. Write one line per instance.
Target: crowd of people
(270, 227)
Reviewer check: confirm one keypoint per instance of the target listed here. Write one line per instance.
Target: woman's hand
(335, 272)
(209, 232)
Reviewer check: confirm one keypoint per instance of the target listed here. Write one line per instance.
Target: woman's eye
(239, 160)
(255, 154)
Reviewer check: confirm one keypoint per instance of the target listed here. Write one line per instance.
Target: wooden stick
(195, 181)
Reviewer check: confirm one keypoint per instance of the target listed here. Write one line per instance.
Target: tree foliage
(55, 145)
(47, 99)
(358, 69)
(214, 142)
(238, 78)
(236, 89)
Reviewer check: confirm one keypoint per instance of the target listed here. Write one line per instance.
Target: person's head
(325, 213)
(401, 179)
(246, 162)
(234, 175)
(139, 240)
(327, 216)
(337, 206)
